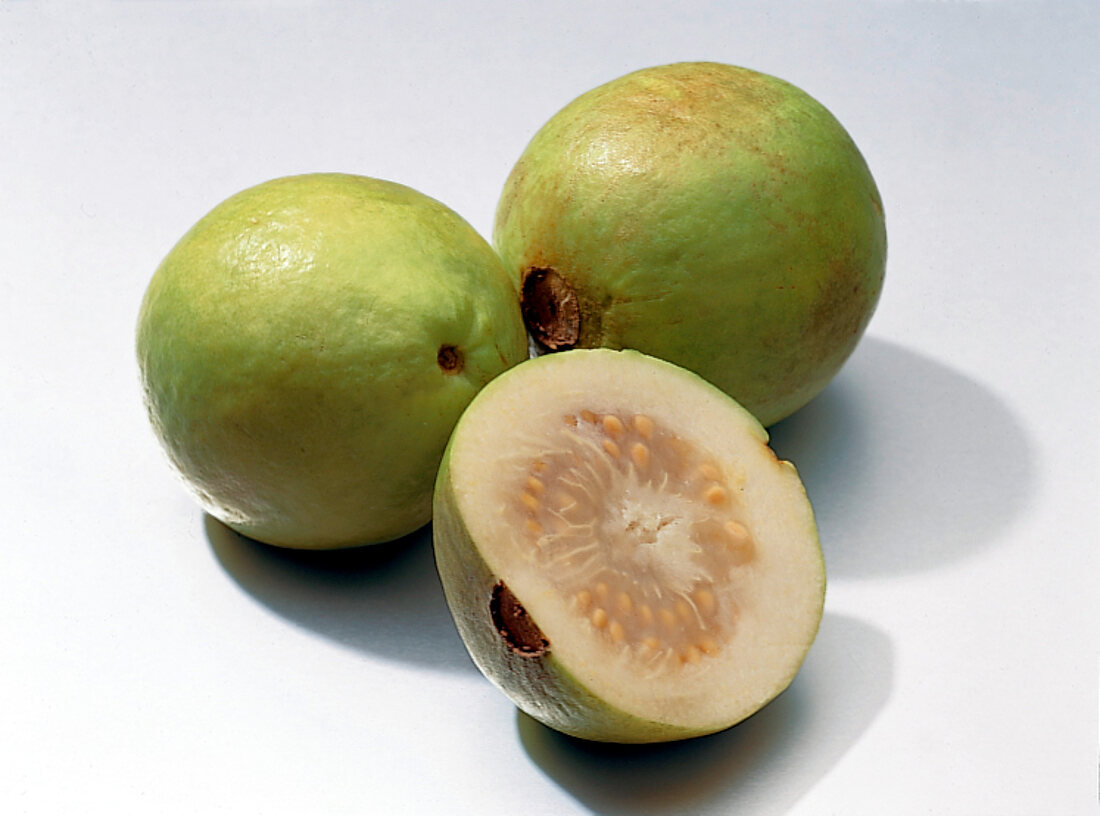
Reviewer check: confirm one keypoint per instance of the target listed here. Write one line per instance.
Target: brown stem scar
(550, 308)
(449, 359)
(514, 625)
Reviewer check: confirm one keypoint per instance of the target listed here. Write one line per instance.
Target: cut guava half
(623, 554)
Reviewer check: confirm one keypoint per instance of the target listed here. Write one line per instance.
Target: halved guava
(624, 555)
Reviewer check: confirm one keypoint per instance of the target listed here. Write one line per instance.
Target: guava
(623, 554)
(707, 214)
(307, 347)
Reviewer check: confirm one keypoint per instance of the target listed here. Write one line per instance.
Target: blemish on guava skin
(877, 204)
(522, 636)
(450, 359)
(550, 308)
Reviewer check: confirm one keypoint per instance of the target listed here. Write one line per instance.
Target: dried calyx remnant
(449, 359)
(550, 309)
(513, 624)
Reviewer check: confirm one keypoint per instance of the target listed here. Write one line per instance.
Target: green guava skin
(710, 215)
(289, 351)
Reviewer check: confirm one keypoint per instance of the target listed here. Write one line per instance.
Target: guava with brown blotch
(707, 214)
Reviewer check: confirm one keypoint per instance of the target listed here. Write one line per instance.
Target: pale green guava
(706, 214)
(623, 554)
(307, 347)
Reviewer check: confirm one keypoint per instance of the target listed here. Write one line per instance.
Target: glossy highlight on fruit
(307, 347)
(623, 554)
(706, 214)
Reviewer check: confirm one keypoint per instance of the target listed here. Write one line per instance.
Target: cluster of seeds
(641, 530)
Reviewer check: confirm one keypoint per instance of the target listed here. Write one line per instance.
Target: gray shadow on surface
(764, 765)
(908, 463)
(383, 599)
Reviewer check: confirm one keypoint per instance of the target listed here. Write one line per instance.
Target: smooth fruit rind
(558, 684)
(306, 348)
(706, 214)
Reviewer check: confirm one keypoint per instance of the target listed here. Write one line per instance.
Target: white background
(152, 662)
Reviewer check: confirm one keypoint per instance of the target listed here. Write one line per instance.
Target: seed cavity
(705, 601)
(641, 531)
(615, 629)
(668, 618)
(565, 501)
(737, 531)
(709, 471)
(740, 544)
(683, 610)
(715, 495)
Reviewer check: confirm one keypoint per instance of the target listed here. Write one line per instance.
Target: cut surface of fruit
(623, 553)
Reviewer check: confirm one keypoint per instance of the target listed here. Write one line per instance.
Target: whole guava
(307, 347)
(706, 214)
